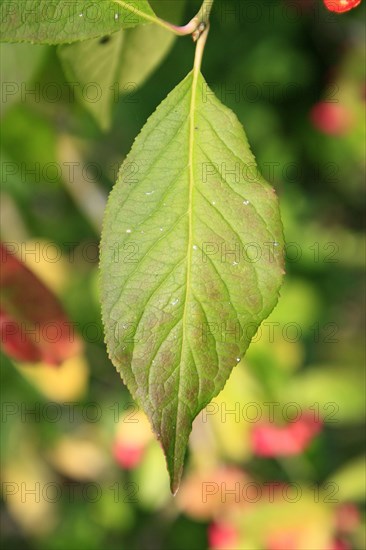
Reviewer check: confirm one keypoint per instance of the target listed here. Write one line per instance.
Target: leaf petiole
(197, 25)
(191, 28)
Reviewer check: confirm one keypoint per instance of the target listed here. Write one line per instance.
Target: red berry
(128, 456)
(330, 118)
(340, 6)
(269, 439)
(222, 536)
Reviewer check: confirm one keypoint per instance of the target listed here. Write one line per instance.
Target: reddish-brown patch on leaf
(33, 324)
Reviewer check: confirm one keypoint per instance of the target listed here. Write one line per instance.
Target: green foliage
(18, 63)
(180, 226)
(59, 22)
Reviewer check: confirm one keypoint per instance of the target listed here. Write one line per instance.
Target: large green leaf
(118, 63)
(192, 236)
(62, 21)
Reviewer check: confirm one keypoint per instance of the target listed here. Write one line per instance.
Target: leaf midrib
(192, 112)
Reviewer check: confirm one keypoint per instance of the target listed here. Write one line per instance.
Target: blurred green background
(294, 75)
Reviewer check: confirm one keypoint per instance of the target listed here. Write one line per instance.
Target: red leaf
(33, 325)
(341, 6)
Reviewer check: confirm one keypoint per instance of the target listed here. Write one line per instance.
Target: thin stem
(192, 27)
(185, 30)
(203, 30)
(204, 14)
(195, 27)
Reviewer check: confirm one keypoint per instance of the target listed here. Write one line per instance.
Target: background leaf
(119, 63)
(192, 212)
(18, 64)
(34, 326)
(350, 480)
(61, 21)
